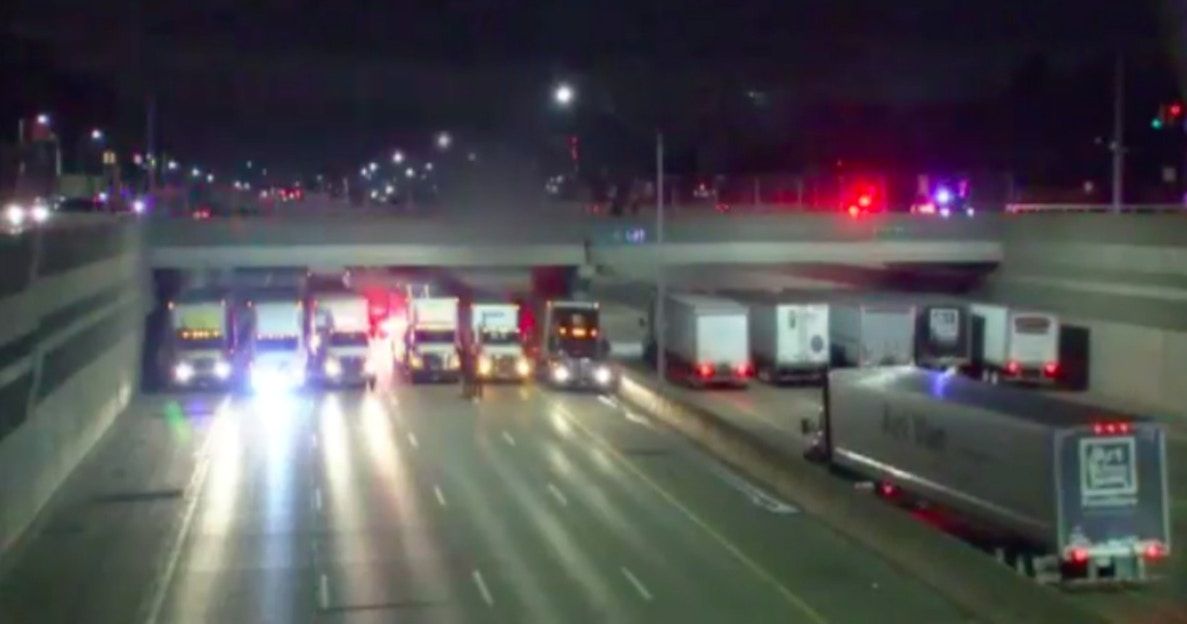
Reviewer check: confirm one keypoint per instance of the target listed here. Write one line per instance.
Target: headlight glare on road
(222, 369)
(183, 372)
(561, 373)
(603, 375)
(332, 368)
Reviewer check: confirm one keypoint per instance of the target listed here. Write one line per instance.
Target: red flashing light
(854, 211)
(1013, 367)
(705, 371)
(1078, 555)
(1051, 369)
(1176, 109)
(865, 201)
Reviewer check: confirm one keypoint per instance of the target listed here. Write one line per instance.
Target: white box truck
(872, 333)
(706, 340)
(1068, 491)
(501, 353)
(280, 356)
(789, 341)
(1014, 345)
(201, 348)
(430, 352)
(340, 343)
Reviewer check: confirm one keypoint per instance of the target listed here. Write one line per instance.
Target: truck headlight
(523, 367)
(603, 375)
(332, 368)
(183, 372)
(485, 366)
(415, 361)
(222, 369)
(561, 373)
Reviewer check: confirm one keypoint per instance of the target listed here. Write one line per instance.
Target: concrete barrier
(972, 580)
(69, 358)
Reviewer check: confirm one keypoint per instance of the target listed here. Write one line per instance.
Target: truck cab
(573, 352)
(501, 354)
(430, 344)
(340, 339)
(280, 357)
(200, 348)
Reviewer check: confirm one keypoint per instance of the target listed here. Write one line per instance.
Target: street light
(444, 140)
(172, 165)
(373, 166)
(428, 166)
(397, 157)
(410, 172)
(196, 172)
(96, 135)
(563, 94)
(42, 119)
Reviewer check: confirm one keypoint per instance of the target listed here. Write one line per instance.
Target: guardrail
(1096, 208)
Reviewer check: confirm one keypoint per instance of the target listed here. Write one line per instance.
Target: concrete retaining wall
(70, 343)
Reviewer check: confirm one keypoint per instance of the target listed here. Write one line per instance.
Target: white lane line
(412, 440)
(758, 496)
(317, 499)
(637, 419)
(482, 589)
(558, 495)
(323, 591)
(440, 496)
(608, 401)
(639, 586)
(510, 440)
(194, 491)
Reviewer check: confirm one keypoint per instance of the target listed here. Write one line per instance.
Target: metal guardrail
(1096, 208)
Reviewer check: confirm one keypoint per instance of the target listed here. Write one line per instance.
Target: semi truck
(501, 350)
(789, 341)
(200, 348)
(339, 343)
(430, 343)
(1067, 491)
(872, 333)
(942, 336)
(280, 356)
(706, 340)
(572, 351)
(1014, 345)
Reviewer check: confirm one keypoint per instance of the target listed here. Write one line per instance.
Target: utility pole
(660, 279)
(1119, 134)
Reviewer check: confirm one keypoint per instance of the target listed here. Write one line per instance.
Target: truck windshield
(500, 337)
(432, 335)
(276, 343)
(348, 339)
(579, 348)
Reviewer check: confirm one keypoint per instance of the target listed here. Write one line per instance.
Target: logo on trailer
(1108, 472)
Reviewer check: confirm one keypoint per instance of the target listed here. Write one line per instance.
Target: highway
(411, 504)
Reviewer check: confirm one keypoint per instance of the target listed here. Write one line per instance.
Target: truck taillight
(705, 371)
(1051, 369)
(743, 369)
(1110, 428)
(1013, 367)
(1078, 555)
(1154, 550)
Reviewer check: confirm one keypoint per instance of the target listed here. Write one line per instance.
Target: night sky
(319, 84)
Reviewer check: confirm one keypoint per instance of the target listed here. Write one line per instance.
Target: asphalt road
(412, 505)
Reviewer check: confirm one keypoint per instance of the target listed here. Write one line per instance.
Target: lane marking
(194, 491)
(788, 595)
(412, 440)
(317, 499)
(757, 495)
(323, 591)
(482, 589)
(510, 440)
(608, 401)
(440, 495)
(639, 586)
(637, 419)
(558, 495)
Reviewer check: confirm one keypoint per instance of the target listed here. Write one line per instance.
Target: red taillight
(1110, 428)
(743, 369)
(1078, 555)
(1051, 369)
(865, 201)
(888, 490)
(1154, 551)
(705, 371)
(1013, 367)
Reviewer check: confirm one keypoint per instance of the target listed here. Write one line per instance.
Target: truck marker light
(1013, 367)
(1051, 369)
(705, 370)
(743, 369)
(1078, 555)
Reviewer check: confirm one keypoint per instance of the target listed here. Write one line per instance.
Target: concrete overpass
(369, 239)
